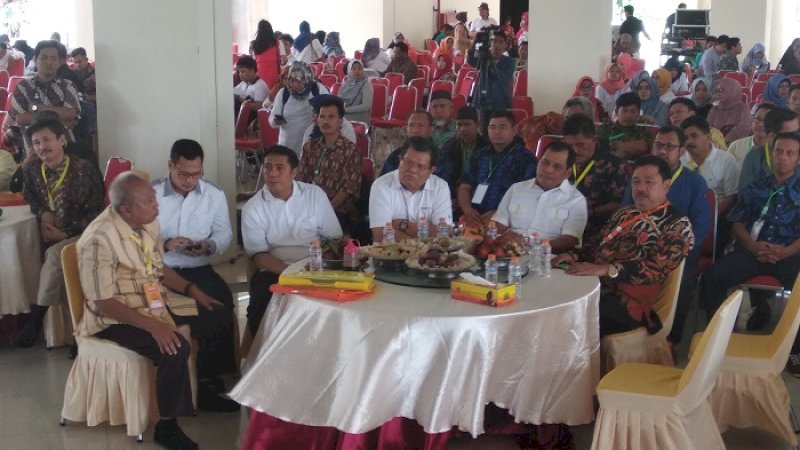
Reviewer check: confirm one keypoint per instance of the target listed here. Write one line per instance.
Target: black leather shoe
(169, 435)
(207, 400)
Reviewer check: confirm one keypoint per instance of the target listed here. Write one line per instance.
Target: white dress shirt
(479, 23)
(285, 229)
(298, 115)
(257, 90)
(389, 200)
(719, 170)
(201, 215)
(526, 208)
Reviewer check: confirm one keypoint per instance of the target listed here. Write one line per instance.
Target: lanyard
(676, 175)
(50, 199)
(696, 168)
(772, 194)
(491, 164)
(628, 223)
(322, 157)
(148, 258)
(766, 156)
(579, 178)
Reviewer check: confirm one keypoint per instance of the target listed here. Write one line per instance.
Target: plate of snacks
(392, 251)
(435, 262)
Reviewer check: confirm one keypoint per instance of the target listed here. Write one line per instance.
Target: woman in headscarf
(398, 38)
(701, 96)
(373, 57)
(777, 91)
(663, 79)
(332, 45)
(356, 91)
(446, 47)
(731, 115)
(788, 56)
(585, 88)
(680, 83)
(755, 63)
(265, 50)
(653, 110)
(306, 47)
(610, 88)
(522, 33)
(291, 110)
(633, 84)
(444, 69)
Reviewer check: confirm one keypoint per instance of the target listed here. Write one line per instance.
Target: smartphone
(563, 266)
(193, 246)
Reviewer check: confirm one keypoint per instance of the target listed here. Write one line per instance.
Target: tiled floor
(32, 393)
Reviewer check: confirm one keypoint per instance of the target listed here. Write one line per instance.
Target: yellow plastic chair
(646, 406)
(107, 382)
(638, 345)
(749, 390)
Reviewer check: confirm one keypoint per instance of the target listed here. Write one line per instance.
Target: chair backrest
(419, 85)
(359, 127)
(709, 245)
(523, 102)
(757, 88)
(404, 102)
(16, 67)
(395, 79)
(782, 337)
(336, 59)
(520, 83)
(269, 135)
(378, 101)
(357, 54)
(115, 166)
(463, 73)
(459, 101)
(698, 377)
(465, 88)
(741, 77)
(519, 114)
(4, 76)
(13, 81)
(431, 44)
(424, 72)
(317, 68)
(667, 300)
(336, 88)
(328, 80)
(72, 281)
(442, 85)
(339, 68)
(544, 141)
(795, 78)
(362, 142)
(3, 96)
(765, 76)
(745, 95)
(381, 81)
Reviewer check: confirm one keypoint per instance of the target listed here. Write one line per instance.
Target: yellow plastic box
(501, 295)
(330, 279)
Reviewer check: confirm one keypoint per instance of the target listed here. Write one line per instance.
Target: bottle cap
(442, 219)
(535, 233)
(315, 242)
(351, 247)
(546, 241)
(515, 259)
(388, 224)
(492, 257)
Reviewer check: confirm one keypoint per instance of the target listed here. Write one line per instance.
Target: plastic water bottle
(545, 260)
(315, 257)
(422, 227)
(491, 269)
(352, 257)
(460, 227)
(443, 229)
(388, 233)
(491, 232)
(515, 276)
(535, 255)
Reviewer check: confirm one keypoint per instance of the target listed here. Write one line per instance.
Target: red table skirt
(265, 432)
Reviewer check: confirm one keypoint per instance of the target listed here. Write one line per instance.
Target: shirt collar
(396, 184)
(565, 186)
(267, 196)
(170, 190)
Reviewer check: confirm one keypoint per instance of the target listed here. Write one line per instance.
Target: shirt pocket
(555, 218)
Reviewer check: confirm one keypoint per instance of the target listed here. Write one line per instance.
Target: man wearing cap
(459, 149)
(444, 127)
(483, 22)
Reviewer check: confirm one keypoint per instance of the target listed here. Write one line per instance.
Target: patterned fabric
(782, 221)
(512, 165)
(444, 134)
(407, 67)
(57, 92)
(604, 183)
(444, 168)
(335, 169)
(458, 156)
(728, 61)
(612, 132)
(77, 202)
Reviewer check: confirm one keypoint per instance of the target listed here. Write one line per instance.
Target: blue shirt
(782, 221)
(688, 196)
(498, 85)
(755, 167)
(512, 165)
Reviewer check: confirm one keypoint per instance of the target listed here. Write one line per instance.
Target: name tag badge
(152, 293)
(480, 192)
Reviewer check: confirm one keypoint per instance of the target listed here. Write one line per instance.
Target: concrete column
(747, 20)
(568, 39)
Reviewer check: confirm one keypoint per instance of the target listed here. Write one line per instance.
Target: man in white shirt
(278, 225)
(548, 204)
(403, 195)
(251, 88)
(483, 22)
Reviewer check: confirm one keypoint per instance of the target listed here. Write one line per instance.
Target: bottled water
(458, 230)
(422, 227)
(545, 260)
(388, 233)
(315, 257)
(535, 255)
(491, 231)
(443, 229)
(515, 276)
(491, 269)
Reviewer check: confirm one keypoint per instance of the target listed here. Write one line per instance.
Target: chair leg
(793, 419)
(139, 438)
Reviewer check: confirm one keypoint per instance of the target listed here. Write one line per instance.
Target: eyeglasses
(413, 165)
(662, 146)
(189, 176)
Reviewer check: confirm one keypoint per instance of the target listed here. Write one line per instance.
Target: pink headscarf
(522, 29)
(612, 86)
(731, 116)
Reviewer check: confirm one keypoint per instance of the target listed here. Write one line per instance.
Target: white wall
(747, 20)
(784, 27)
(164, 76)
(570, 39)
(471, 7)
(414, 18)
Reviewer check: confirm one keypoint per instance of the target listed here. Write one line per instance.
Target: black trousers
(173, 388)
(213, 329)
(259, 298)
(685, 296)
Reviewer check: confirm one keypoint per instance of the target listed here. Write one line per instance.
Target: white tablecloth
(21, 260)
(415, 353)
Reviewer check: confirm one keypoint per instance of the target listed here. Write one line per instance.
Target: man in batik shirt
(641, 245)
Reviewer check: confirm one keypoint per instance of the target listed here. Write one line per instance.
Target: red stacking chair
(765, 76)
(745, 95)
(441, 85)
(404, 102)
(16, 67)
(466, 87)
(328, 80)
(243, 140)
(432, 45)
(708, 248)
(4, 76)
(378, 110)
(381, 81)
(757, 89)
(13, 81)
(458, 61)
(3, 96)
(359, 127)
(234, 48)
(424, 58)
(317, 68)
(336, 88)
(424, 72)
(524, 103)
(115, 166)
(340, 68)
(519, 115)
(795, 78)
(419, 85)
(269, 135)
(544, 141)
(357, 54)
(337, 59)
(520, 83)
(463, 73)
(395, 79)
(741, 77)
(459, 101)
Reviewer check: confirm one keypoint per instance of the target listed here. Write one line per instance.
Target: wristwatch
(613, 271)
(35, 108)
(403, 225)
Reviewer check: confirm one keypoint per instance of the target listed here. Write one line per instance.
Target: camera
(483, 42)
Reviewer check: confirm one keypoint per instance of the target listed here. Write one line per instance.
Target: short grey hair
(583, 102)
(119, 193)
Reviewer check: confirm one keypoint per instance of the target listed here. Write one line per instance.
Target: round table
(416, 353)
(21, 250)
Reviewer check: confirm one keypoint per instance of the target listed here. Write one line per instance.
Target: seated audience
(522, 60)
(599, 176)
(278, 225)
(755, 62)
(291, 111)
(306, 47)
(731, 115)
(758, 163)
(585, 88)
(610, 88)
(444, 69)
(252, 88)
(709, 65)
(577, 105)
(444, 127)
(399, 38)
(766, 224)
(85, 73)
(680, 83)
(332, 46)
(496, 94)
(374, 57)
(643, 243)
(794, 98)
(420, 124)
(663, 79)
(777, 91)
(547, 204)
(652, 109)
(701, 96)
(459, 149)
(400, 196)
(402, 63)
(461, 34)
(65, 193)
(446, 47)
(624, 45)
(790, 62)
(332, 162)
(729, 61)
(623, 137)
(356, 92)
(493, 169)
(681, 108)
(741, 147)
